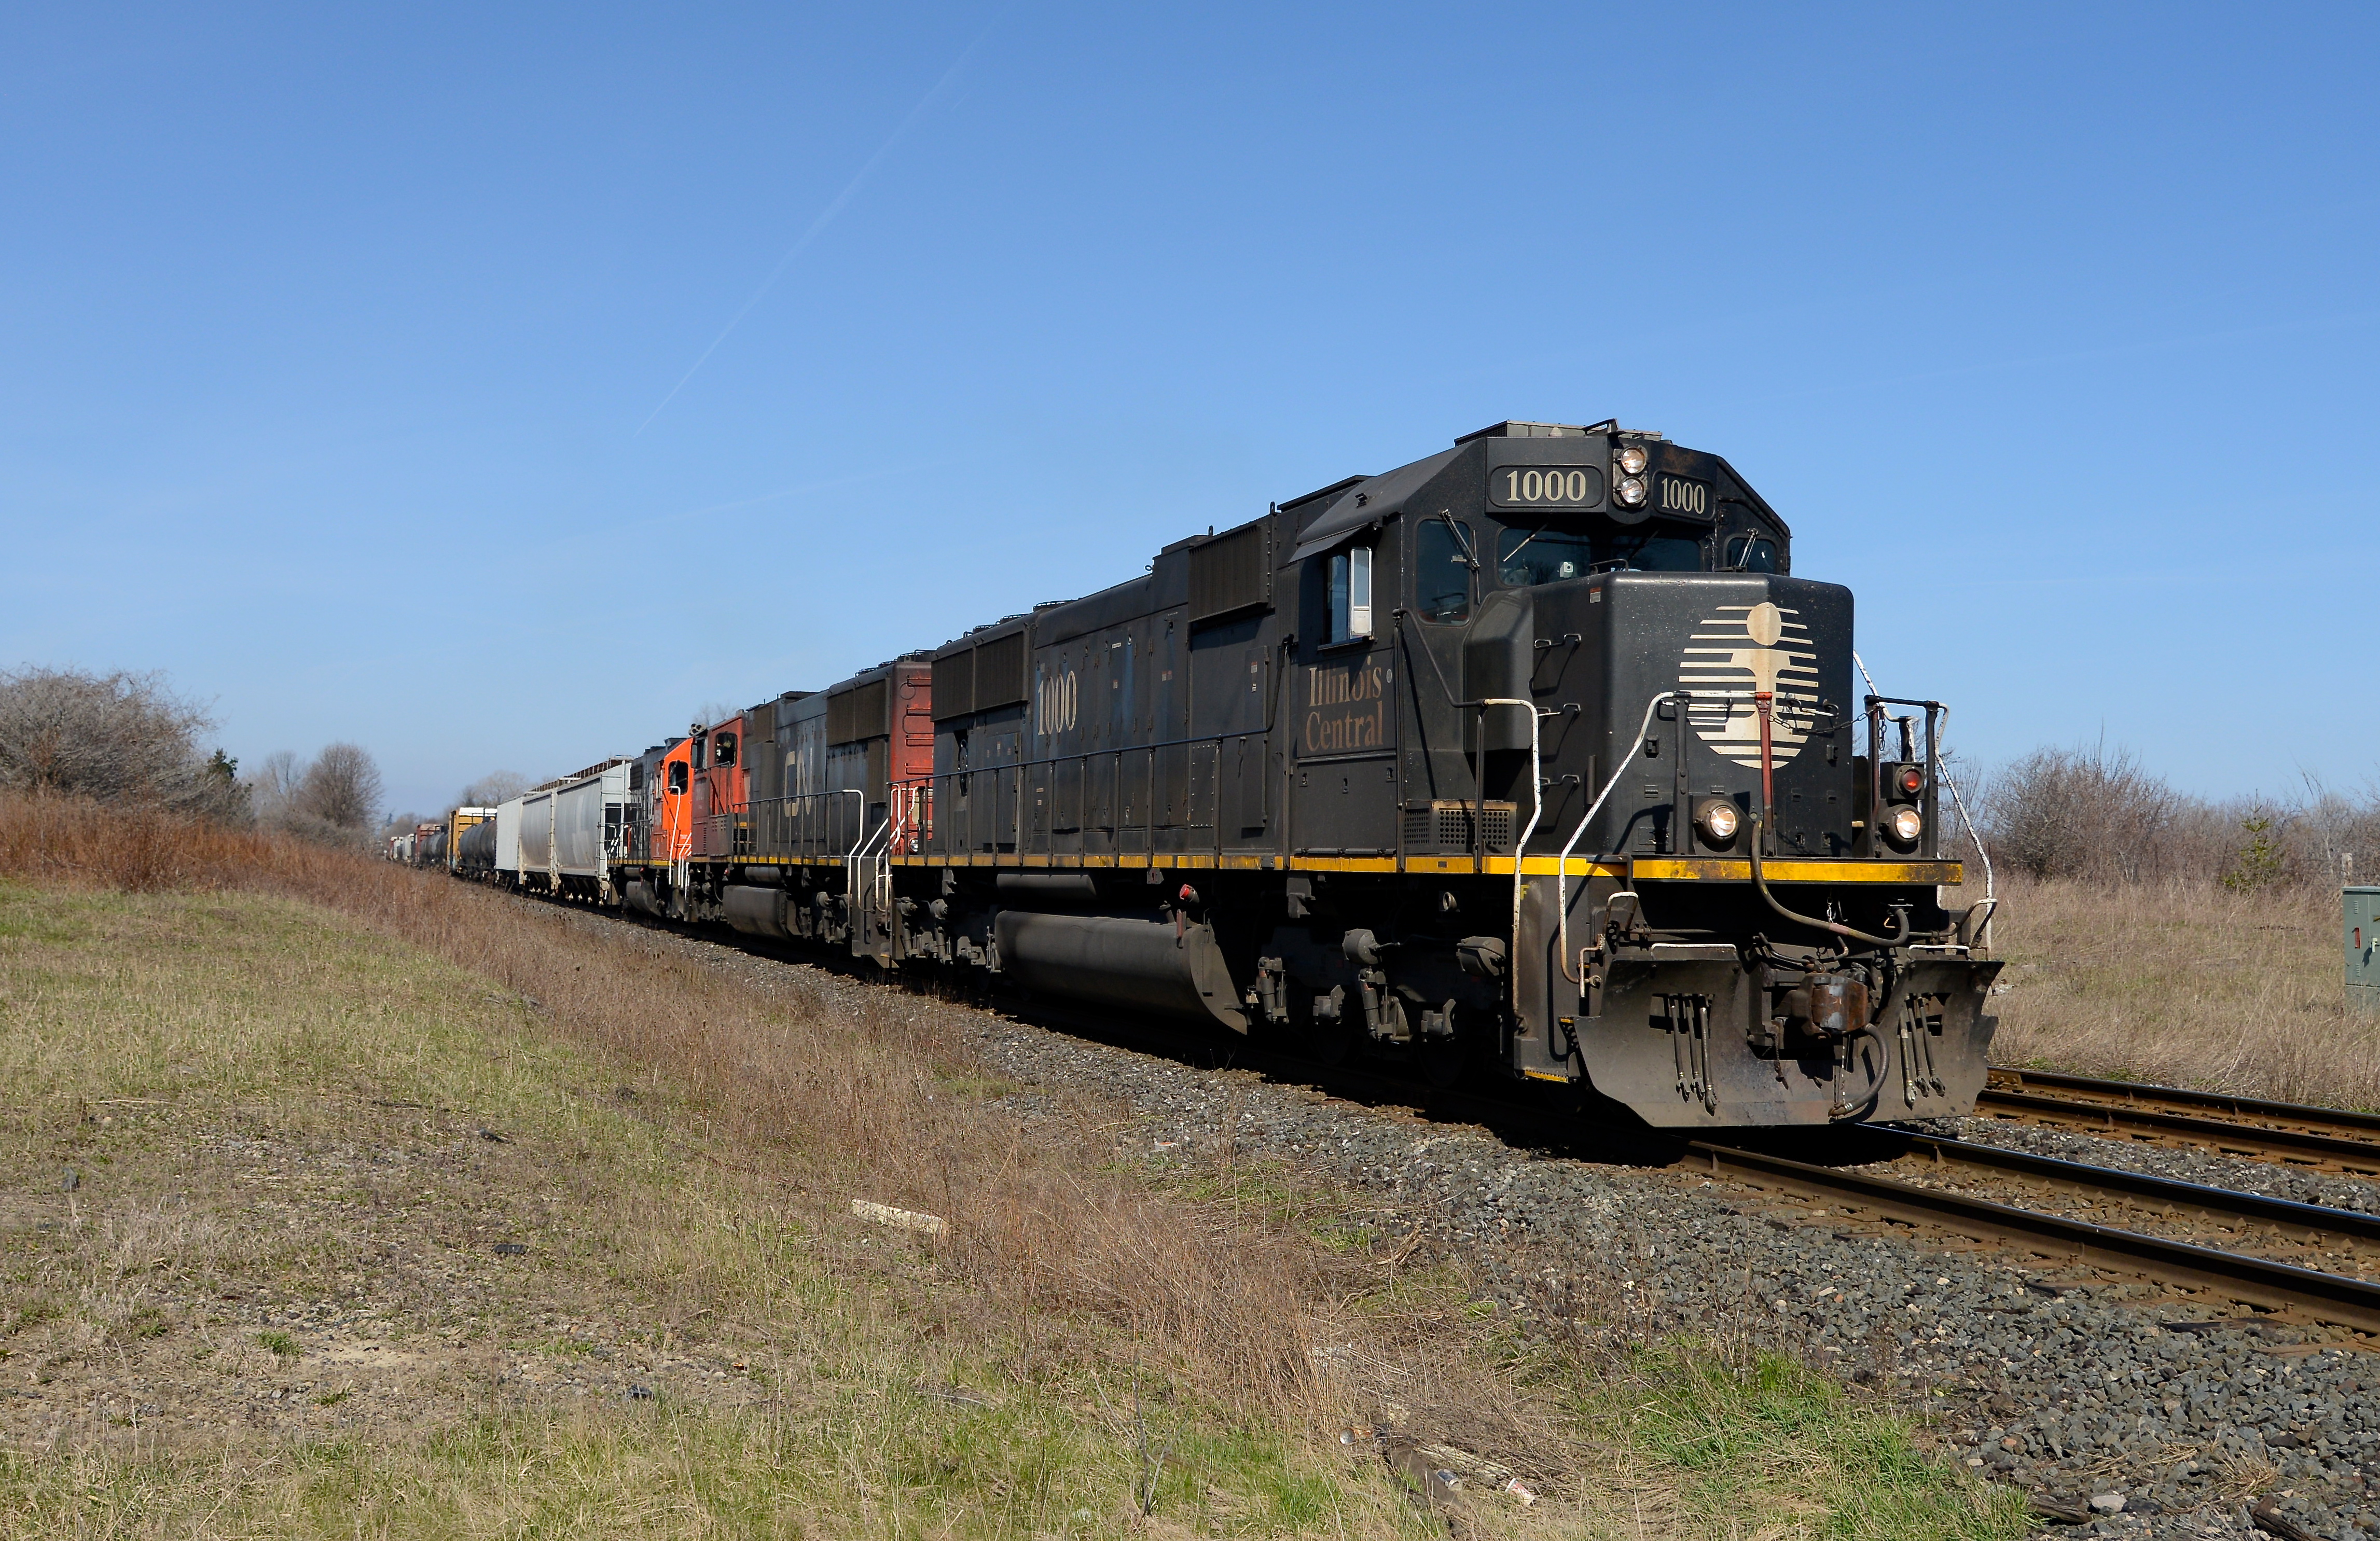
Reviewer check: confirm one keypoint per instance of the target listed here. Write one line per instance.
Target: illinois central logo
(1740, 649)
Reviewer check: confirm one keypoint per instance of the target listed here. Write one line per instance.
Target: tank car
(1532, 758)
(471, 841)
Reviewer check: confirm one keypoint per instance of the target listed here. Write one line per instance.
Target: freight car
(471, 840)
(1532, 758)
(562, 838)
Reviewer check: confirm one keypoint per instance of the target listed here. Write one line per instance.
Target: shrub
(117, 738)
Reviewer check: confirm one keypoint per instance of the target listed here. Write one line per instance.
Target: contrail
(826, 217)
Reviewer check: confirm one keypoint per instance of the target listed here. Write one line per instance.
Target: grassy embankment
(2185, 984)
(304, 1097)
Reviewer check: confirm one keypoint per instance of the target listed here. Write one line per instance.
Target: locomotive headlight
(1631, 489)
(1632, 460)
(1717, 819)
(1902, 826)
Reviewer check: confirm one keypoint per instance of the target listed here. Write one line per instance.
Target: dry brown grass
(2185, 984)
(133, 850)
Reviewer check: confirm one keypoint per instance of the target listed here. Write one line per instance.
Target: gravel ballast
(2053, 1384)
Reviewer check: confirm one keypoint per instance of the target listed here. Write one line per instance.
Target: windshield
(1750, 553)
(1550, 553)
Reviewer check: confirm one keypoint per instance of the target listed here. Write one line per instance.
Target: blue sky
(492, 387)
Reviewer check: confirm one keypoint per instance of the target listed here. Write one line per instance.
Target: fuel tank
(1137, 964)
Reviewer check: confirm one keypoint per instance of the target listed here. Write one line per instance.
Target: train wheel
(1442, 1064)
(1324, 1040)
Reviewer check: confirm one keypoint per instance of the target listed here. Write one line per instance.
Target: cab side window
(677, 777)
(1350, 584)
(722, 748)
(1443, 571)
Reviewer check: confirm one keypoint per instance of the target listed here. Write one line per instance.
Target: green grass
(1031, 1468)
(1771, 1435)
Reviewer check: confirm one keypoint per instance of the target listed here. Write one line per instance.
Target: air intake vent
(1448, 829)
(1232, 572)
(1000, 673)
(955, 686)
(859, 713)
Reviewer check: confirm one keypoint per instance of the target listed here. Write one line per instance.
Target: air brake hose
(1844, 1113)
(1837, 928)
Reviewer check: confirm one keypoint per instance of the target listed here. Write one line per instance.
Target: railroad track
(2208, 1276)
(2199, 1280)
(2325, 1139)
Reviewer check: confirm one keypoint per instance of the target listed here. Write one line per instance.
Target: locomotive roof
(1367, 503)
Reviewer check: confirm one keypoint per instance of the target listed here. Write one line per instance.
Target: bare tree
(341, 788)
(119, 738)
(495, 787)
(274, 787)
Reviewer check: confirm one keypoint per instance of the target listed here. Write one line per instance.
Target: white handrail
(1520, 846)
(1562, 863)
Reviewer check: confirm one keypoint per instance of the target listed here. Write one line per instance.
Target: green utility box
(2361, 930)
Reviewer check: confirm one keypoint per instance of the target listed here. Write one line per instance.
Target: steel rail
(2295, 1115)
(2310, 1219)
(2327, 1298)
(2263, 1284)
(2256, 1141)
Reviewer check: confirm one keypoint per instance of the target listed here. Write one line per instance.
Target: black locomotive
(1531, 756)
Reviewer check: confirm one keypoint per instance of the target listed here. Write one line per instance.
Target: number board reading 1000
(1676, 494)
(1544, 486)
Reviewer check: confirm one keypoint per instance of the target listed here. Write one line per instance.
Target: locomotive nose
(1748, 659)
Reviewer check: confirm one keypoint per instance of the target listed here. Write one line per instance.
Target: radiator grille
(1453, 828)
(1000, 672)
(861, 712)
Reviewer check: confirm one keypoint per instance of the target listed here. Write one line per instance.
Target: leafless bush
(2097, 816)
(333, 799)
(272, 789)
(2079, 813)
(117, 738)
(342, 787)
(2336, 837)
